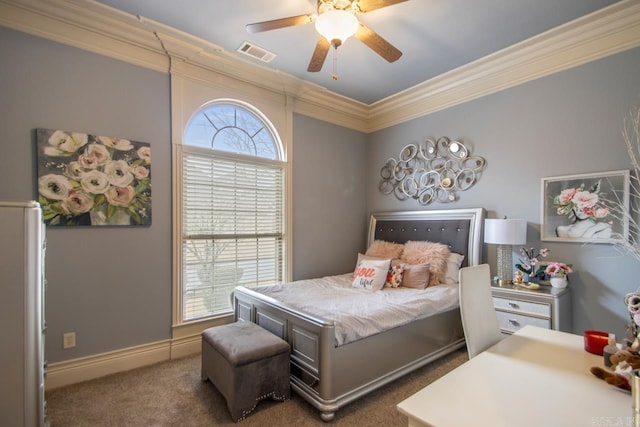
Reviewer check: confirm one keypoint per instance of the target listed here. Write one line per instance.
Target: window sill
(195, 327)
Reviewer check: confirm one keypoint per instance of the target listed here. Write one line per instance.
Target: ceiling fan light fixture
(337, 24)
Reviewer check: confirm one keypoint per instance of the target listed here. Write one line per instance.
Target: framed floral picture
(90, 180)
(590, 207)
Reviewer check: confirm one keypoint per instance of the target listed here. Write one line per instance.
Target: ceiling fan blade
(319, 55)
(377, 43)
(369, 5)
(291, 21)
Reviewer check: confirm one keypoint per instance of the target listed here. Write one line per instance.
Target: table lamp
(505, 233)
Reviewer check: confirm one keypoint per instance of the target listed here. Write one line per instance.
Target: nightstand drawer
(522, 306)
(512, 322)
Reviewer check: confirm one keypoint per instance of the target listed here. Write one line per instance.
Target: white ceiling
(435, 36)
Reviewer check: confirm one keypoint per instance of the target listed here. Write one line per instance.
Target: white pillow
(362, 257)
(453, 268)
(371, 274)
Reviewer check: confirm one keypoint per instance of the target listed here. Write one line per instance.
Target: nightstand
(546, 307)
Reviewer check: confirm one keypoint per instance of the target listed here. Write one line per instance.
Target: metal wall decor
(432, 171)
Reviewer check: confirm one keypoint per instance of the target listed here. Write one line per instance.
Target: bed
(330, 376)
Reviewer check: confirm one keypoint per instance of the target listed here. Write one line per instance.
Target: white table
(536, 377)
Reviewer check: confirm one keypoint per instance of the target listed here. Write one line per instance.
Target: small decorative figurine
(519, 278)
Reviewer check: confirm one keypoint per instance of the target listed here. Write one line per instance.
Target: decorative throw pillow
(394, 275)
(415, 276)
(384, 249)
(454, 261)
(371, 274)
(362, 257)
(435, 254)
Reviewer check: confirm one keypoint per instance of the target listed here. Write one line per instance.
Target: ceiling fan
(336, 21)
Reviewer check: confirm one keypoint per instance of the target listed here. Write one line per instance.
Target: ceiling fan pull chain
(334, 76)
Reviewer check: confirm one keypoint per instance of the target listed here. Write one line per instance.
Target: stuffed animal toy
(623, 364)
(632, 301)
(632, 359)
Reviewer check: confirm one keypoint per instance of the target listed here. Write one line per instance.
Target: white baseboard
(186, 341)
(87, 368)
(186, 346)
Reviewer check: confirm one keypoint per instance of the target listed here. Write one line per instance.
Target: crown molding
(308, 98)
(98, 28)
(594, 36)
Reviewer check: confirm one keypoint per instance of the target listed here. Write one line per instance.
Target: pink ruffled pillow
(384, 249)
(423, 252)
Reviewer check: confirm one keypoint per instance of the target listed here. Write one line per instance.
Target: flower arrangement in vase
(558, 273)
(530, 263)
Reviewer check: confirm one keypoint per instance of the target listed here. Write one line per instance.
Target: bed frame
(329, 377)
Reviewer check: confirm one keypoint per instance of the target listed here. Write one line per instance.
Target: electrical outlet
(69, 340)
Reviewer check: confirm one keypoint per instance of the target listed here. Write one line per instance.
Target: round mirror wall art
(432, 171)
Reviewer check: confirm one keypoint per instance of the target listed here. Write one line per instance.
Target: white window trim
(189, 95)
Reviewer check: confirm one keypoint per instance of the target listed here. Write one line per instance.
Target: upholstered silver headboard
(460, 229)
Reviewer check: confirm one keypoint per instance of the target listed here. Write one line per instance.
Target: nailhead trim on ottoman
(246, 363)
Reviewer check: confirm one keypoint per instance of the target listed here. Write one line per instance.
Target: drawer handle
(513, 304)
(514, 322)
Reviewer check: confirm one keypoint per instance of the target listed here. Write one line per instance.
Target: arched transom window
(234, 129)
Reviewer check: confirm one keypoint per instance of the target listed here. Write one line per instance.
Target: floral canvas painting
(90, 180)
(589, 207)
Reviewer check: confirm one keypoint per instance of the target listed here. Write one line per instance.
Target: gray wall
(567, 123)
(113, 286)
(110, 286)
(329, 220)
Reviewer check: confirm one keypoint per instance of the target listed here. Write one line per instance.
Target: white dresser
(22, 315)
(546, 307)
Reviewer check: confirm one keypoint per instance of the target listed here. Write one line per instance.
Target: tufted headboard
(460, 229)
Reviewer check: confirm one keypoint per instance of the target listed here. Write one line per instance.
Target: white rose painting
(86, 179)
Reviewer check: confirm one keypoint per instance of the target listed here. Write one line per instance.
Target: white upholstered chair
(479, 321)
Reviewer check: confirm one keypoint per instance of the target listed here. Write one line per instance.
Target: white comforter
(358, 313)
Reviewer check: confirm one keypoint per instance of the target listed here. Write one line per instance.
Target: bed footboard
(329, 377)
(312, 339)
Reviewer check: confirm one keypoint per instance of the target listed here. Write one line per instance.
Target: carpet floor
(172, 394)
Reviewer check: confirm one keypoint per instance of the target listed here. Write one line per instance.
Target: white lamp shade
(505, 231)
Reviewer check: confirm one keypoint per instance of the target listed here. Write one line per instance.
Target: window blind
(232, 229)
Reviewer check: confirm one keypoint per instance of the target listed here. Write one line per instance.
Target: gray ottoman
(246, 364)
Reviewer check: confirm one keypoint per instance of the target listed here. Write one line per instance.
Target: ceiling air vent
(257, 52)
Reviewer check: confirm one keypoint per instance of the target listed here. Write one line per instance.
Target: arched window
(233, 128)
(232, 206)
